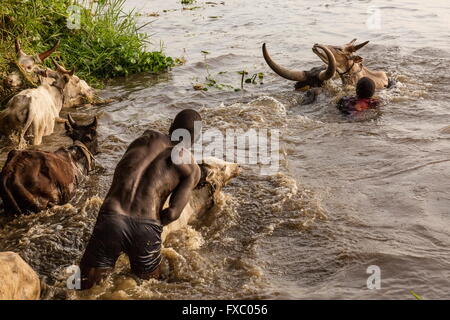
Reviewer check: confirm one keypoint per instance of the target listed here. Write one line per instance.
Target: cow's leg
(26, 200)
(37, 139)
(22, 139)
(37, 134)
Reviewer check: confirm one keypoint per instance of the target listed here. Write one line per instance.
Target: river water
(349, 193)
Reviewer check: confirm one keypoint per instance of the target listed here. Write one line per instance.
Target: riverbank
(99, 39)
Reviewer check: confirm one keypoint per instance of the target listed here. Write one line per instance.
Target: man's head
(186, 120)
(365, 88)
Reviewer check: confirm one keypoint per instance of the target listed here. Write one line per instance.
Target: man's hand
(182, 193)
(168, 215)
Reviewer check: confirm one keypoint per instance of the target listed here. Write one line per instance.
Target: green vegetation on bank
(107, 44)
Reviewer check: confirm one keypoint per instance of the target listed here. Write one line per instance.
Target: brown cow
(33, 180)
(350, 66)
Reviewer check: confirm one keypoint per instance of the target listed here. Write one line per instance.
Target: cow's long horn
(19, 49)
(281, 71)
(329, 73)
(359, 46)
(44, 55)
(61, 69)
(72, 122)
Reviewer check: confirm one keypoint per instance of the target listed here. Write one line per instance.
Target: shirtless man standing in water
(131, 217)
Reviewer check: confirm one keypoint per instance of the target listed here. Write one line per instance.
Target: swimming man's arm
(180, 196)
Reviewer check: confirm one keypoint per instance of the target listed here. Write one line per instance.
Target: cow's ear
(357, 59)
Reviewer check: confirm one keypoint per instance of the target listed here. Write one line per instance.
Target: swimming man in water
(365, 89)
(131, 218)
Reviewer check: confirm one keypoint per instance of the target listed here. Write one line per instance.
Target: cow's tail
(3, 115)
(30, 118)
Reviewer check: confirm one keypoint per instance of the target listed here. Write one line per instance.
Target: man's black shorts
(113, 234)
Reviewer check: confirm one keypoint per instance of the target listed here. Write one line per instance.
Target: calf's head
(217, 172)
(86, 134)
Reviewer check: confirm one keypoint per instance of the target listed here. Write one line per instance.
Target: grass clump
(108, 42)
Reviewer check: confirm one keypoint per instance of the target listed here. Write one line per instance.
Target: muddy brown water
(350, 193)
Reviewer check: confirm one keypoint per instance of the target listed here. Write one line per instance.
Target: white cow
(33, 112)
(77, 91)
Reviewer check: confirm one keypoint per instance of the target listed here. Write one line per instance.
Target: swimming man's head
(187, 120)
(365, 88)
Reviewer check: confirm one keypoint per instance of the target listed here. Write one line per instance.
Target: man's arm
(181, 195)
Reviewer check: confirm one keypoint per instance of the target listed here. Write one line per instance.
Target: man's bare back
(132, 216)
(146, 176)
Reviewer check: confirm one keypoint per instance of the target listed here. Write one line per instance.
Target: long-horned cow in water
(340, 59)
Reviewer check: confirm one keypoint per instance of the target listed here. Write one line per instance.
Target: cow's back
(32, 111)
(44, 111)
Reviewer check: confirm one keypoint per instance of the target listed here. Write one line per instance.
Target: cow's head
(86, 134)
(217, 172)
(29, 64)
(59, 78)
(77, 91)
(343, 55)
